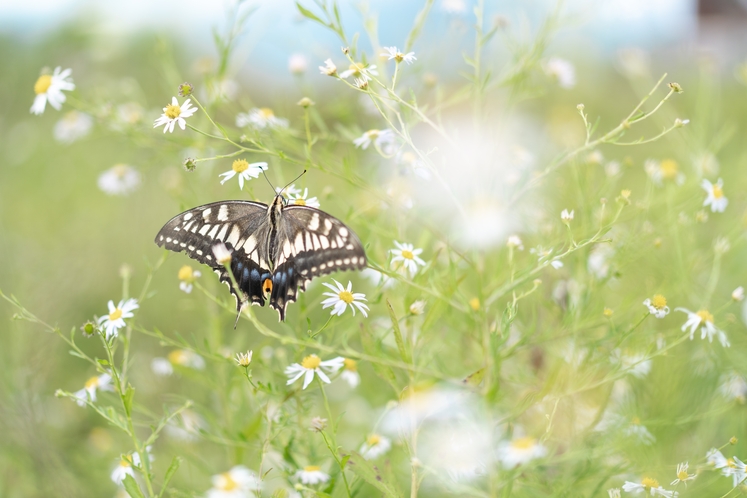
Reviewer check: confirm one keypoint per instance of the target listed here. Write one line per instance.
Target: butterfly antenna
(271, 185)
(294, 180)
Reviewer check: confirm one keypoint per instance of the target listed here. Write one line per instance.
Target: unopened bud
(676, 88)
(305, 102)
(186, 89)
(190, 164)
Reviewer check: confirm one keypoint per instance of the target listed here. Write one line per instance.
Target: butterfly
(275, 249)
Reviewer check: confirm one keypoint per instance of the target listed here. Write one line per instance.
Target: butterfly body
(275, 249)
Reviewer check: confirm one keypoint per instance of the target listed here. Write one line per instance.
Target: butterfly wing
(242, 226)
(309, 243)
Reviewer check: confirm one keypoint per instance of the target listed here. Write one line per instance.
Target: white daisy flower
(375, 446)
(406, 255)
(648, 486)
(126, 464)
(115, 319)
(260, 118)
(311, 365)
(350, 372)
(88, 393)
(665, 170)
(514, 242)
(341, 297)
(682, 475)
(222, 253)
(72, 126)
(738, 294)
(704, 320)
(186, 358)
(393, 53)
(298, 64)
(288, 191)
(120, 179)
(328, 68)
(303, 199)
(48, 88)
(360, 71)
(561, 71)
(175, 114)
(657, 306)
(378, 278)
(715, 197)
(189, 428)
(161, 366)
(519, 451)
(244, 170)
(417, 307)
(454, 6)
(380, 138)
(733, 387)
(244, 359)
(613, 492)
(556, 263)
(566, 216)
(187, 277)
(239, 482)
(410, 161)
(312, 474)
(729, 466)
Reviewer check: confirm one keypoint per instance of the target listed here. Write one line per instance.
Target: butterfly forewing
(310, 243)
(287, 246)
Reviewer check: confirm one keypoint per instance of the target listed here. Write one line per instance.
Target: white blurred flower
(519, 451)
(239, 482)
(260, 118)
(380, 138)
(189, 427)
(417, 307)
(120, 179)
(72, 126)
(126, 464)
(288, 191)
(375, 446)
(350, 372)
(614, 492)
(657, 306)
(302, 199)
(561, 71)
(435, 404)
(704, 320)
(733, 387)
(407, 256)
(311, 475)
(393, 53)
(598, 263)
(667, 169)
(514, 242)
(175, 114)
(114, 321)
(298, 64)
(186, 358)
(411, 162)
(49, 87)
(311, 365)
(161, 366)
(244, 170)
(88, 393)
(244, 359)
(341, 298)
(639, 431)
(187, 277)
(378, 278)
(454, 6)
(360, 71)
(682, 475)
(738, 294)
(648, 486)
(566, 216)
(328, 68)
(715, 197)
(222, 253)
(729, 467)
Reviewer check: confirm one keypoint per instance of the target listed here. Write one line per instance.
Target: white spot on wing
(298, 244)
(222, 234)
(325, 241)
(206, 214)
(188, 225)
(343, 231)
(327, 225)
(234, 237)
(314, 223)
(287, 248)
(204, 229)
(250, 244)
(199, 253)
(187, 216)
(316, 241)
(213, 232)
(223, 213)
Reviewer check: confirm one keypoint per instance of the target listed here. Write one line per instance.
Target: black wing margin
(240, 225)
(310, 243)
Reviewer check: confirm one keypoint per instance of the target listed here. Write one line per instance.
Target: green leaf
(103, 362)
(475, 378)
(170, 473)
(131, 487)
(309, 15)
(372, 475)
(397, 333)
(127, 399)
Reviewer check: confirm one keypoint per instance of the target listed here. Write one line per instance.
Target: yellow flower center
(717, 191)
(731, 463)
(407, 254)
(115, 315)
(42, 84)
(178, 357)
(357, 68)
(635, 421)
(705, 316)
(399, 56)
(373, 134)
(173, 111)
(474, 303)
(120, 170)
(659, 301)
(409, 157)
(669, 169)
(351, 365)
(186, 273)
(124, 463)
(228, 484)
(299, 202)
(312, 468)
(373, 439)
(523, 443)
(608, 312)
(92, 382)
(240, 165)
(650, 483)
(346, 296)
(682, 475)
(266, 113)
(311, 362)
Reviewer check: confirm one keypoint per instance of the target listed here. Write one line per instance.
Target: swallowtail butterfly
(276, 248)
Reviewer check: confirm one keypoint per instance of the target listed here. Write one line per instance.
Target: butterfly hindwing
(309, 243)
